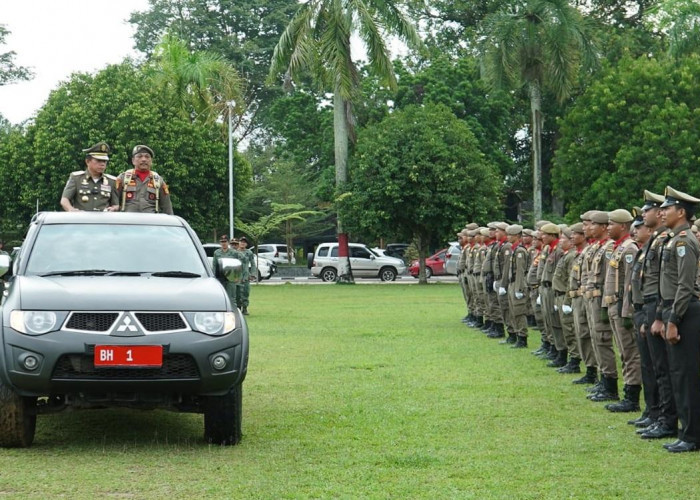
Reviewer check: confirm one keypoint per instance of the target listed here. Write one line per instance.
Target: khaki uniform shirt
(519, 264)
(150, 196)
(476, 262)
(505, 253)
(534, 260)
(617, 275)
(85, 193)
(462, 261)
(679, 268)
(550, 263)
(560, 281)
(576, 273)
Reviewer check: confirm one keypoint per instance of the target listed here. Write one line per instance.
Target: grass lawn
(368, 391)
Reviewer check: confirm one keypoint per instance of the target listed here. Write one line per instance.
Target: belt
(547, 284)
(558, 294)
(573, 293)
(650, 298)
(610, 299)
(638, 307)
(592, 294)
(534, 287)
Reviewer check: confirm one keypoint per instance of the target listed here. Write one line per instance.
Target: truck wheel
(17, 419)
(387, 274)
(329, 274)
(223, 417)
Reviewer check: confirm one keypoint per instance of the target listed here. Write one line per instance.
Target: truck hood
(120, 293)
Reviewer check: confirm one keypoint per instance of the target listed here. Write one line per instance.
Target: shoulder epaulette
(78, 172)
(112, 177)
(682, 233)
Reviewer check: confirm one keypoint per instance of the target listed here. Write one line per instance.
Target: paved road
(400, 280)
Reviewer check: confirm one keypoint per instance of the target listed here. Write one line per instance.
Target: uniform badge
(608, 255)
(629, 258)
(129, 195)
(151, 196)
(680, 250)
(85, 198)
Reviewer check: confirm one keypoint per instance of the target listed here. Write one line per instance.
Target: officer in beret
(140, 189)
(563, 302)
(678, 314)
(620, 310)
(91, 189)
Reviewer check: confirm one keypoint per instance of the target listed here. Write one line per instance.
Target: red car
(434, 265)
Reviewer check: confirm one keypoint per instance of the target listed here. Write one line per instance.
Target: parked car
(452, 257)
(87, 323)
(363, 261)
(276, 252)
(265, 267)
(396, 250)
(434, 265)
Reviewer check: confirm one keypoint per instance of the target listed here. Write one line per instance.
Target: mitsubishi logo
(126, 325)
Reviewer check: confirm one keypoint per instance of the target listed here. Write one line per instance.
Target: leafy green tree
(636, 128)
(539, 44)
(121, 106)
(9, 71)
(418, 175)
(680, 20)
(318, 40)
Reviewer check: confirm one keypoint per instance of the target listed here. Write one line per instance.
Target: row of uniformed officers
(138, 189)
(627, 278)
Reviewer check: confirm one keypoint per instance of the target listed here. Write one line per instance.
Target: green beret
(621, 216)
(577, 228)
(142, 148)
(599, 217)
(514, 229)
(550, 228)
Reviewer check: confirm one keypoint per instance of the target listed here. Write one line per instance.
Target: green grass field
(368, 391)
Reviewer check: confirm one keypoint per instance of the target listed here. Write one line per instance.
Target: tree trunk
(340, 134)
(537, 119)
(422, 255)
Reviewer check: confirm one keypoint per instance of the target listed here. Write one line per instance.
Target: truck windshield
(113, 248)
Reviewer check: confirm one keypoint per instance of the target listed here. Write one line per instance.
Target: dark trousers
(649, 385)
(658, 348)
(684, 360)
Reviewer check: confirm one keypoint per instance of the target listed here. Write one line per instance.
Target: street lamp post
(231, 104)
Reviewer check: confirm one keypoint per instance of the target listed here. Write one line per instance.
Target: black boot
(487, 326)
(629, 403)
(609, 392)
(511, 339)
(552, 354)
(245, 310)
(559, 361)
(479, 322)
(498, 332)
(544, 347)
(520, 343)
(573, 366)
(591, 376)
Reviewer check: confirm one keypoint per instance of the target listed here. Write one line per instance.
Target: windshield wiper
(125, 273)
(79, 272)
(176, 274)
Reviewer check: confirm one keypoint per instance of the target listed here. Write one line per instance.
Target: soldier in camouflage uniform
(91, 189)
(140, 189)
(249, 270)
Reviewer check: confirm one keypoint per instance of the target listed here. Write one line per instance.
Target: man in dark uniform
(140, 189)
(226, 252)
(678, 314)
(91, 189)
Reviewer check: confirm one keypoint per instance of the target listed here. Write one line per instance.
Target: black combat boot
(591, 376)
(560, 360)
(479, 322)
(520, 343)
(498, 332)
(609, 391)
(487, 326)
(544, 347)
(511, 339)
(629, 403)
(552, 354)
(245, 310)
(573, 366)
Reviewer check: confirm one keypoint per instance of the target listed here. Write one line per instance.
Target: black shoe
(559, 361)
(639, 419)
(671, 445)
(495, 335)
(544, 347)
(624, 406)
(573, 366)
(682, 447)
(487, 326)
(591, 376)
(521, 343)
(659, 431)
(466, 319)
(642, 430)
(512, 339)
(608, 392)
(245, 310)
(645, 422)
(597, 387)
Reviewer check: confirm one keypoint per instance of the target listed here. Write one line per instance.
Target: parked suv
(276, 252)
(119, 309)
(363, 261)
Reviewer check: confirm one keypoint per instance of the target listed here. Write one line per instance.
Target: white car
(452, 257)
(364, 263)
(276, 252)
(265, 267)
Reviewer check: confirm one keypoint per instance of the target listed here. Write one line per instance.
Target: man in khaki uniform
(494, 311)
(550, 239)
(678, 314)
(620, 311)
(475, 310)
(140, 189)
(563, 302)
(462, 271)
(482, 237)
(91, 189)
(501, 261)
(517, 284)
(598, 321)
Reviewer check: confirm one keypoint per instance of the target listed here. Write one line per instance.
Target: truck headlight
(33, 322)
(215, 323)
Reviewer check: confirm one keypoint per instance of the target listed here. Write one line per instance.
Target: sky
(56, 38)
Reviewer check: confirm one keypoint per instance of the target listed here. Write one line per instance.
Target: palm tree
(202, 82)
(318, 40)
(539, 44)
(681, 20)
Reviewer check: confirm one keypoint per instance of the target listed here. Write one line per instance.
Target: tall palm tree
(539, 44)
(317, 40)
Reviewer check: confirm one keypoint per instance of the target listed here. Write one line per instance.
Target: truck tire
(17, 419)
(223, 418)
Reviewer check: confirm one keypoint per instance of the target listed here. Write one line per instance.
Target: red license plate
(127, 355)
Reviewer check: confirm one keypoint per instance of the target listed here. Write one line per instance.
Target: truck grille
(161, 322)
(81, 366)
(92, 322)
